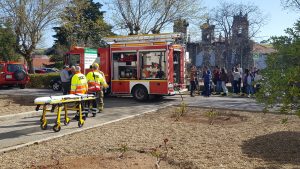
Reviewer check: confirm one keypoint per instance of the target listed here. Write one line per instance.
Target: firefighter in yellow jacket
(78, 83)
(97, 80)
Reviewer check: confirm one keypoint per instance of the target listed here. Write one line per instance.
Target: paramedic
(78, 82)
(96, 80)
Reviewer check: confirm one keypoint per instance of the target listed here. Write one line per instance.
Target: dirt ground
(16, 104)
(201, 139)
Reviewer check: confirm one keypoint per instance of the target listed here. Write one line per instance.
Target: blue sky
(278, 19)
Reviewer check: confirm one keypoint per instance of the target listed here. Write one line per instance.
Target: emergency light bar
(168, 37)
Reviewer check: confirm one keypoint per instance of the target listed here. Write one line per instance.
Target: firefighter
(105, 87)
(78, 83)
(78, 86)
(96, 80)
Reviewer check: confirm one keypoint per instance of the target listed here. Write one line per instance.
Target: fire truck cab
(141, 65)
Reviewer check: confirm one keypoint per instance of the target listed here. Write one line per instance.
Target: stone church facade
(222, 52)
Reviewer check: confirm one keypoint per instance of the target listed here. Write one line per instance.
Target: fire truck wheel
(140, 93)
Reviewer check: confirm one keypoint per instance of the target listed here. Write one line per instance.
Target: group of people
(241, 82)
(74, 82)
(194, 81)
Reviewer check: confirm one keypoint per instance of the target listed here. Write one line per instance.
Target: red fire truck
(141, 65)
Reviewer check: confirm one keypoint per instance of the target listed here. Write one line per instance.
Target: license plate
(8, 76)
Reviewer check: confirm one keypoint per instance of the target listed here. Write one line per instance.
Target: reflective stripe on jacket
(78, 84)
(95, 78)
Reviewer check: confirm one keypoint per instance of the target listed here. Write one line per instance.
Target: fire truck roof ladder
(167, 37)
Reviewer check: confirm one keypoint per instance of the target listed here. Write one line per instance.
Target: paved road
(35, 92)
(17, 131)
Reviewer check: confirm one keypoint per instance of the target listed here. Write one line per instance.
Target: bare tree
(223, 15)
(238, 23)
(152, 16)
(291, 4)
(30, 18)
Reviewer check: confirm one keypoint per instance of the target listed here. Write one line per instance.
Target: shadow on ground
(280, 147)
(21, 100)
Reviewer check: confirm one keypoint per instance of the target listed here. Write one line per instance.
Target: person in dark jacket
(206, 80)
(248, 81)
(193, 75)
(216, 79)
(224, 80)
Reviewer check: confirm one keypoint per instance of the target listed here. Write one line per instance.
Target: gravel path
(247, 140)
(16, 104)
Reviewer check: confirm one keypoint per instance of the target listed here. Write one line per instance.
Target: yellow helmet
(95, 65)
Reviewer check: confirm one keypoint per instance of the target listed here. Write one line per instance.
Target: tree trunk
(29, 61)
(227, 47)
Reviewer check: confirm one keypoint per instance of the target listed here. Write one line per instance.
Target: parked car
(50, 70)
(13, 73)
(40, 71)
(55, 84)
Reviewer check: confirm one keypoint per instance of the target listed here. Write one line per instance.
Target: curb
(13, 148)
(225, 108)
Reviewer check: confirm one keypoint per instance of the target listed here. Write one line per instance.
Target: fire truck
(144, 66)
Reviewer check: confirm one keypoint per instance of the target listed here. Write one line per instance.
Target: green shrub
(41, 81)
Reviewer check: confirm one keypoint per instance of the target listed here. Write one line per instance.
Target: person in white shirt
(65, 80)
(236, 78)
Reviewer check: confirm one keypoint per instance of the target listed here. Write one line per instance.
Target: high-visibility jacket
(94, 78)
(78, 84)
(103, 75)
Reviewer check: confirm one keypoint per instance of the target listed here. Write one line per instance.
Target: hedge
(41, 81)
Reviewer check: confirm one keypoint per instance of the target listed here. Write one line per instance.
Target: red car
(40, 71)
(13, 73)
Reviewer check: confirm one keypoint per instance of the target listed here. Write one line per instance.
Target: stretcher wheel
(44, 125)
(94, 114)
(56, 128)
(80, 124)
(67, 121)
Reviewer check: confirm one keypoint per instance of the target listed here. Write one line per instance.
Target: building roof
(263, 48)
(39, 60)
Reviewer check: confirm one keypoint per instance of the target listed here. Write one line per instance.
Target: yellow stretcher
(60, 102)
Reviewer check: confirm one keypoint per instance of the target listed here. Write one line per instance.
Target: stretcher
(75, 102)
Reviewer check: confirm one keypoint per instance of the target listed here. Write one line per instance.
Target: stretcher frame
(60, 102)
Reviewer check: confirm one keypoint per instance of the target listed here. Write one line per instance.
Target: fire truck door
(170, 66)
(105, 67)
(177, 66)
(120, 86)
(182, 57)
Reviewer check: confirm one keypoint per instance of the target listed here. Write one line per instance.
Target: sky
(278, 19)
